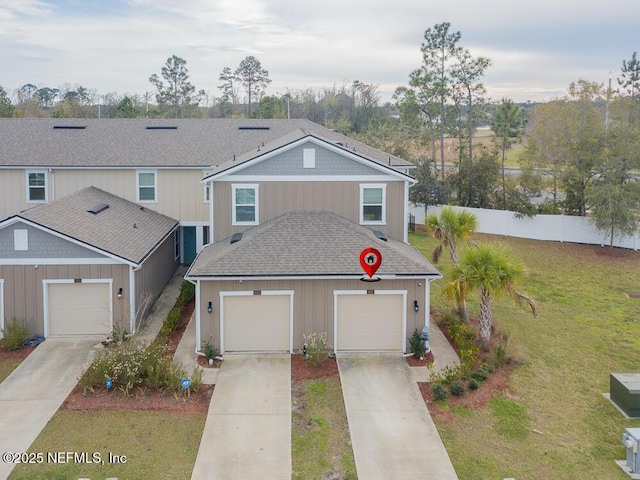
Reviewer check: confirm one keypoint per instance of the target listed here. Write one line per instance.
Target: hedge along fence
(559, 228)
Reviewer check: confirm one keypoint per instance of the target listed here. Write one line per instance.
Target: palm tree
(491, 269)
(451, 228)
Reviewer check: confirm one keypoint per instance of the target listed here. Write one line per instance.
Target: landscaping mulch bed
(303, 370)
(19, 354)
(139, 399)
(176, 335)
(416, 362)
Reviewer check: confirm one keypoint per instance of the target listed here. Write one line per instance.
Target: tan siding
(23, 288)
(341, 198)
(180, 193)
(312, 303)
(13, 195)
(156, 271)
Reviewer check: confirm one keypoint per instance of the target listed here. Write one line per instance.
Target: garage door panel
(79, 309)
(370, 322)
(257, 323)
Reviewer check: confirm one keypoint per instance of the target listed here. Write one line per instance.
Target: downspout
(211, 232)
(198, 339)
(132, 298)
(427, 308)
(406, 212)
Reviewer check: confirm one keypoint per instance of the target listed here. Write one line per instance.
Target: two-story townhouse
(273, 191)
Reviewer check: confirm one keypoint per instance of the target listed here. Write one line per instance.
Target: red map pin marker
(370, 260)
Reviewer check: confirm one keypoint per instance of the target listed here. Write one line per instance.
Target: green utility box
(624, 391)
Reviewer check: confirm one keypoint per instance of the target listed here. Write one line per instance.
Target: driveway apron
(392, 433)
(35, 390)
(247, 433)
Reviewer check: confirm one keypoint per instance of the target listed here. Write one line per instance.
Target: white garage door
(257, 323)
(370, 322)
(79, 309)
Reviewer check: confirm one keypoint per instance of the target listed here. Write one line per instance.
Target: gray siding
(41, 245)
(151, 279)
(23, 289)
(327, 163)
(313, 303)
(341, 198)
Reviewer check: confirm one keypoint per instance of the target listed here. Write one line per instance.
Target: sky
(536, 50)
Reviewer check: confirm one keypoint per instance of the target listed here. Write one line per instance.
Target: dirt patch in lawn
(139, 399)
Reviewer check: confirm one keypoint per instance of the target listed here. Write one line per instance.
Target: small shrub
(456, 388)
(500, 357)
(438, 392)
(416, 345)
(133, 364)
(209, 350)
(473, 384)
(480, 375)
(187, 292)
(447, 375)
(172, 321)
(315, 348)
(15, 333)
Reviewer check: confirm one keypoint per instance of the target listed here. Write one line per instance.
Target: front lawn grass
(320, 440)
(159, 445)
(553, 422)
(8, 365)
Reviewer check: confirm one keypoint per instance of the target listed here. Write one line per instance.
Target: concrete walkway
(186, 354)
(443, 355)
(392, 433)
(36, 388)
(247, 433)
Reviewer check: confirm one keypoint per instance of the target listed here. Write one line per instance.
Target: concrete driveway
(392, 433)
(248, 429)
(35, 390)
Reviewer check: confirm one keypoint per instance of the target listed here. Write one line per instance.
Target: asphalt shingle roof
(125, 229)
(306, 244)
(126, 142)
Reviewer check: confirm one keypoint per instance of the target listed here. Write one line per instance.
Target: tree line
(583, 147)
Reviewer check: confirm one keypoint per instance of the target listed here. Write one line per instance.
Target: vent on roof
(69, 127)
(256, 127)
(161, 127)
(236, 238)
(101, 207)
(380, 235)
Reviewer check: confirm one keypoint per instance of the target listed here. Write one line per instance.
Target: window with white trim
(36, 186)
(147, 185)
(373, 199)
(245, 204)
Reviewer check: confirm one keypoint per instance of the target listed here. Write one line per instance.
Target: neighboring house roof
(359, 150)
(123, 229)
(307, 244)
(125, 142)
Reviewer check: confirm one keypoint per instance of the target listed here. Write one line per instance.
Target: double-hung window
(147, 186)
(245, 205)
(373, 204)
(36, 186)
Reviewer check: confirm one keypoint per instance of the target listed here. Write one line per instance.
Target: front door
(188, 244)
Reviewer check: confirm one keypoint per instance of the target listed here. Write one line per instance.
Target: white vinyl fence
(559, 228)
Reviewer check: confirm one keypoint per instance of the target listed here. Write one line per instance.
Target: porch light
(210, 307)
(416, 307)
(120, 293)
